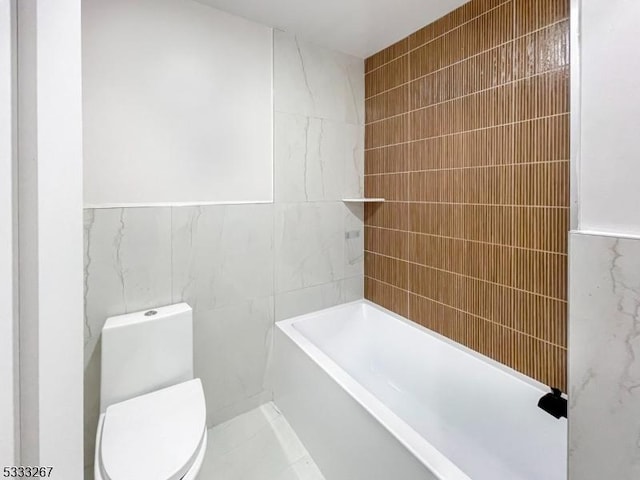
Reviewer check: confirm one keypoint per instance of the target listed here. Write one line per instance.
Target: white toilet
(152, 412)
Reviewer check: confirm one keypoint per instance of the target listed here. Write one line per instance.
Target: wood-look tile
(391, 159)
(439, 318)
(385, 56)
(480, 34)
(486, 300)
(542, 95)
(468, 135)
(490, 69)
(391, 298)
(388, 76)
(541, 184)
(386, 269)
(538, 228)
(538, 272)
(394, 215)
(485, 109)
(483, 261)
(392, 243)
(387, 104)
(532, 15)
(391, 186)
(391, 131)
(490, 146)
(463, 14)
(542, 140)
(482, 223)
(488, 185)
(542, 317)
(542, 51)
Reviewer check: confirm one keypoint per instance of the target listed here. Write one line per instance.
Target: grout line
(537, 250)
(512, 307)
(466, 95)
(511, 287)
(514, 46)
(514, 39)
(406, 142)
(477, 204)
(409, 50)
(468, 313)
(402, 172)
(408, 185)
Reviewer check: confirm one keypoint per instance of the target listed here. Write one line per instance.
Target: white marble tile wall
(316, 159)
(242, 267)
(319, 159)
(316, 82)
(222, 254)
(604, 358)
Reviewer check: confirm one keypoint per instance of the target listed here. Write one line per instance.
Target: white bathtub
(374, 396)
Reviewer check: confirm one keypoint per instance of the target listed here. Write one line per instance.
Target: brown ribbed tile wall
(467, 137)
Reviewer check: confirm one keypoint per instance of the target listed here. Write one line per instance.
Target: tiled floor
(257, 445)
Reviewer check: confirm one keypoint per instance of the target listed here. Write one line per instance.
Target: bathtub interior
(480, 415)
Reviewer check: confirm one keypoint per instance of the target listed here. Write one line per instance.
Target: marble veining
(316, 159)
(89, 218)
(309, 244)
(604, 349)
(304, 70)
(242, 267)
(127, 264)
(221, 254)
(317, 82)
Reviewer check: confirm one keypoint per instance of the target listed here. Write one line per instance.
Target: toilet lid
(154, 436)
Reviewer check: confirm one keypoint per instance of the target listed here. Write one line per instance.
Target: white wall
(7, 232)
(50, 215)
(604, 248)
(609, 164)
(177, 104)
(242, 267)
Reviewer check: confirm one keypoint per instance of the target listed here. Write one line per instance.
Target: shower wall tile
(305, 300)
(604, 398)
(535, 14)
(467, 139)
(316, 82)
(241, 267)
(385, 56)
(222, 254)
(232, 348)
(127, 264)
(388, 296)
(319, 152)
(316, 159)
(462, 15)
(482, 33)
(353, 239)
(309, 244)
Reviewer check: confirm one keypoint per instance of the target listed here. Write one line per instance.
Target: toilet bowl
(160, 436)
(152, 423)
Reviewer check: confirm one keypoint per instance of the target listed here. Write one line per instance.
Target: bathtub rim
(439, 464)
(504, 369)
(420, 448)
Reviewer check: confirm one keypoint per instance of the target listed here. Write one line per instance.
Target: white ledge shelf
(362, 200)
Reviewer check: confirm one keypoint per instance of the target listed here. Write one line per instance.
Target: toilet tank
(145, 351)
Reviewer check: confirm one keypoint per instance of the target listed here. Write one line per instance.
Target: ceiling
(357, 27)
